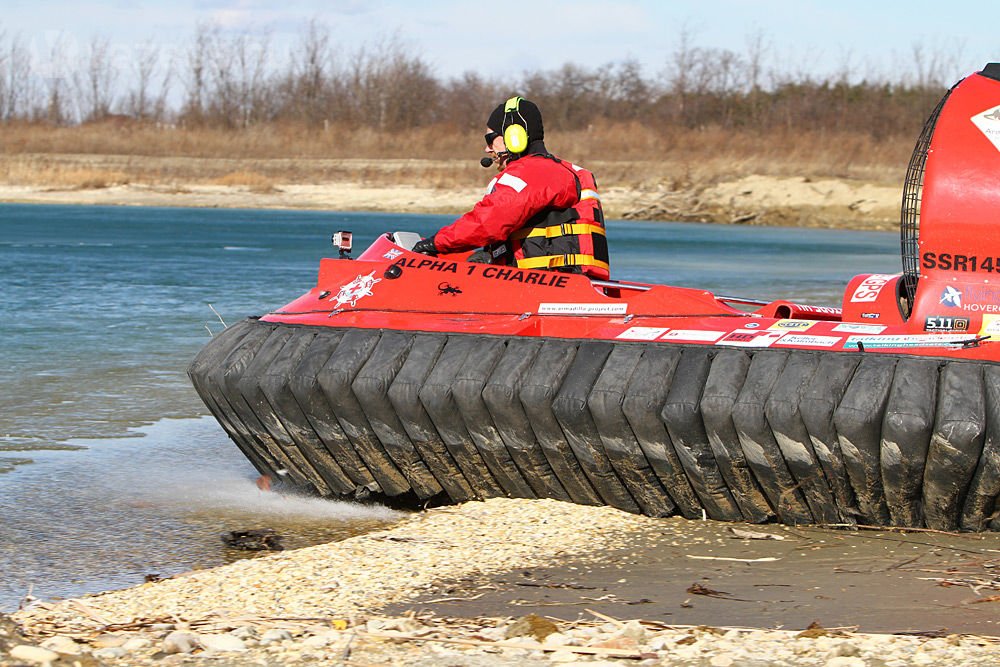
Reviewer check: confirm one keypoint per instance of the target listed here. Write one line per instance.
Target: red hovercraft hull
(432, 379)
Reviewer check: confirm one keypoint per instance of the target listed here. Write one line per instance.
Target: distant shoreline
(397, 186)
(850, 207)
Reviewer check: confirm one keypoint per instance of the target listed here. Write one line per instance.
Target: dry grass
(713, 154)
(62, 176)
(253, 181)
(628, 155)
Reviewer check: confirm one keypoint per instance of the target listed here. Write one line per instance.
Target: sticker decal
(946, 323)
(448, 288)
(870, 287)
(792, 325)
(951, 297)
(851, 327)
(694, 335)
(642, 333)
(821, 310)
(491, 271)
(582, 308)
(510, 274)
(972, 298)
(988, 122)
(991, 325)
(752, 338)
(392, 253)
(358, 288)
(809, 339)
(914, 340)
(953, 261)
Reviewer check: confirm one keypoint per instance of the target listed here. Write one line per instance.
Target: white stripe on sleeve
(512, 182)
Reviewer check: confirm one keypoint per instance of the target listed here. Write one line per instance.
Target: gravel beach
(371, 600)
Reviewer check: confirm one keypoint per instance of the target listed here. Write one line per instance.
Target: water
(103, 308)
(120, 509)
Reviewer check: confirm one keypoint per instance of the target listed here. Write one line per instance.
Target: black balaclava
(529, 116)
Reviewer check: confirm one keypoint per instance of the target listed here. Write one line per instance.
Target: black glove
(482, 256)
(426, 246)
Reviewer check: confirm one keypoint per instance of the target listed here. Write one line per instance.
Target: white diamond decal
(988, 123)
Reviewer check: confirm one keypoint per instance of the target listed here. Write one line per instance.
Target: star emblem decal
(358, 288)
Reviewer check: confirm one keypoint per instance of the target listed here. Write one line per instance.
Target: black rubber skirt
(736, 435)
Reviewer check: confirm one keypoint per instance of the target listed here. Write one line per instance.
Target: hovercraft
(653, 399)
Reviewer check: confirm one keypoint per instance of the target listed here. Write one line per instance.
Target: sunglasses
(490, 138)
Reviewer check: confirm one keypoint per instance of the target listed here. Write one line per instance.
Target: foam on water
(229, 493)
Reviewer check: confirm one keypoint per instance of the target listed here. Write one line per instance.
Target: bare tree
(678, 72)
(629, 91)
(935, 66)
(142, 101)
(569, 94)
(388, 88)
(229, 82)
(238, 73)
(16, 76)
(758, 46)
(309, 84)
(196, 75)
(466, 100)
(5, 93)
(57, 105)
(757, 49)
(95, 84)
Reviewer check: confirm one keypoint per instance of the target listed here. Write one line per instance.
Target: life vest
(571, 239)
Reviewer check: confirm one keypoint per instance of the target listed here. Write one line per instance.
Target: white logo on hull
(358, 288)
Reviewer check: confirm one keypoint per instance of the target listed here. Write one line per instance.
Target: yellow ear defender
(515, 137)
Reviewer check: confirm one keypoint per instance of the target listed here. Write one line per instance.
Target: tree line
(234, 81)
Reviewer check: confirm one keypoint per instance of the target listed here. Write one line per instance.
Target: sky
(507, 39)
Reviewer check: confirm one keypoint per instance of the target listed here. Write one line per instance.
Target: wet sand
(870, 581)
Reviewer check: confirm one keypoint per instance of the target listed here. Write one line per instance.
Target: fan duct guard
(909, 223)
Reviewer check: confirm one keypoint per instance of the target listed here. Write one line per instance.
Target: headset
(515, 137)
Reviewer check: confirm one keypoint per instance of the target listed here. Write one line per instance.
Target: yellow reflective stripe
(590, 194)
(553, 231)
(555, 261)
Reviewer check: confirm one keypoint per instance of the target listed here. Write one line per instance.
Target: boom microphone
(486, 162)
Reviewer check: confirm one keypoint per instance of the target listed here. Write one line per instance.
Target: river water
(110, 468)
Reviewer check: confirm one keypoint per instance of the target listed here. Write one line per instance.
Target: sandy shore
(518, 582)
(751, 200)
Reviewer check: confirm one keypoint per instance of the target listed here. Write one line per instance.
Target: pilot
(539, 212)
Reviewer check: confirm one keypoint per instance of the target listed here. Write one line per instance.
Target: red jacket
(526, 187)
